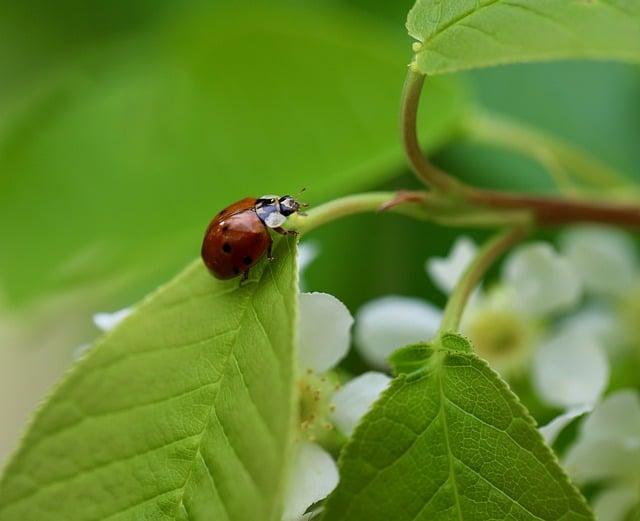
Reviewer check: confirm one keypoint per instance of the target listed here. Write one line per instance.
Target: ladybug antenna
(303, 205)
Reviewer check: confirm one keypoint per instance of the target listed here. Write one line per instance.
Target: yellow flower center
(315, 393)
(502, 337)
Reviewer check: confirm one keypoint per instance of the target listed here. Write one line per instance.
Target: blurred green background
(124, 126)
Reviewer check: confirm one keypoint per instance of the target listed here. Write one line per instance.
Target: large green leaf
(118, 160)
(184, 411)
(465, 34)
(449, 441)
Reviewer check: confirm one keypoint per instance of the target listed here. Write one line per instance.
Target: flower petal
(387, 323)
(324, 325)
(604, 257)
(355, 398)
(313, 476)
(107, 321)
(600, 323)
(609, 441)
(308, 251)
(594, 460)
(617, 417)
(615, 503)
(551, 430)
(543, 281)
(446, 271)
(570, 370)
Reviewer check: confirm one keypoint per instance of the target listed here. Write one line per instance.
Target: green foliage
(453, 443)
(125, 153)
(184, 411)
(465, 34)
(141, 132)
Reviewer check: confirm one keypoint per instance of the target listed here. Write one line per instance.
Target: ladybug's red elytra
(238, 237)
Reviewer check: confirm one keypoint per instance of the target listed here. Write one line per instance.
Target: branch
(424, 170)
(553, 211)
(484, 259)
(547, 211)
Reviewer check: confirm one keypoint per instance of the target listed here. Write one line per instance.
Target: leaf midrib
(246, 303)
(445, 428)
(439, 30)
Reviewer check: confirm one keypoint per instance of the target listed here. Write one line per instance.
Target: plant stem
(419, 205)
(553, 211)
(548, 211)
(487, 255)
(426, 172)
(349, 205)
(557, 156)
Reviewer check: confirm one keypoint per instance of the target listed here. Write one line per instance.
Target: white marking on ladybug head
(275, 220)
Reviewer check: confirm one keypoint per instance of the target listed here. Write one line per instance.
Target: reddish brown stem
(554, 211)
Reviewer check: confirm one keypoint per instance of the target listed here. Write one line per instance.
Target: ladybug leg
(269, 252)
(244, 278)
(283, 231)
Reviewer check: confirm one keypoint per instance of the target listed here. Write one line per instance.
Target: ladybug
(238, 237)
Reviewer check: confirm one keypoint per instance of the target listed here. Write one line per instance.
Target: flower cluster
(560, 317)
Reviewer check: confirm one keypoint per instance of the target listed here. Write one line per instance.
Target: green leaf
(184, 411)
(127, 153)
(466, 34)
(454, 444)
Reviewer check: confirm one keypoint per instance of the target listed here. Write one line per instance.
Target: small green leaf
(466, 34)
(184, 411)
(455, 444)
(410, 359)
(455, 342)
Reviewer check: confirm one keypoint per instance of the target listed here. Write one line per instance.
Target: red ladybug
(238, 236)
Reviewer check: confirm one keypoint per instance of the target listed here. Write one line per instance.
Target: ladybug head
(273, 210)
(288, 205)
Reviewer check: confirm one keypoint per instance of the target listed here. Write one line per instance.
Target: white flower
(614, 503)
(598, 322)
(446, 271)
(314, 476)
(604, 257)
(543, 282)
(356, 397)
(308, 251)
(570, 370)
(551, 430)
(324, 339)
(609, 441)
(104, 322)
(608, 448)
(324, 331)
(500, 333)
(107, 321)
(385, 324)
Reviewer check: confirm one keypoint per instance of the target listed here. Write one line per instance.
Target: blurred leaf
(465, 34)
(115, 164)
(572, 99)
(184, 410)
(568, 100)
(450, 441)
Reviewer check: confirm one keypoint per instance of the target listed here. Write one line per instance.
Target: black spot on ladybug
(236, 270)
(225, 228)
(247, 260)
(226, 247)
